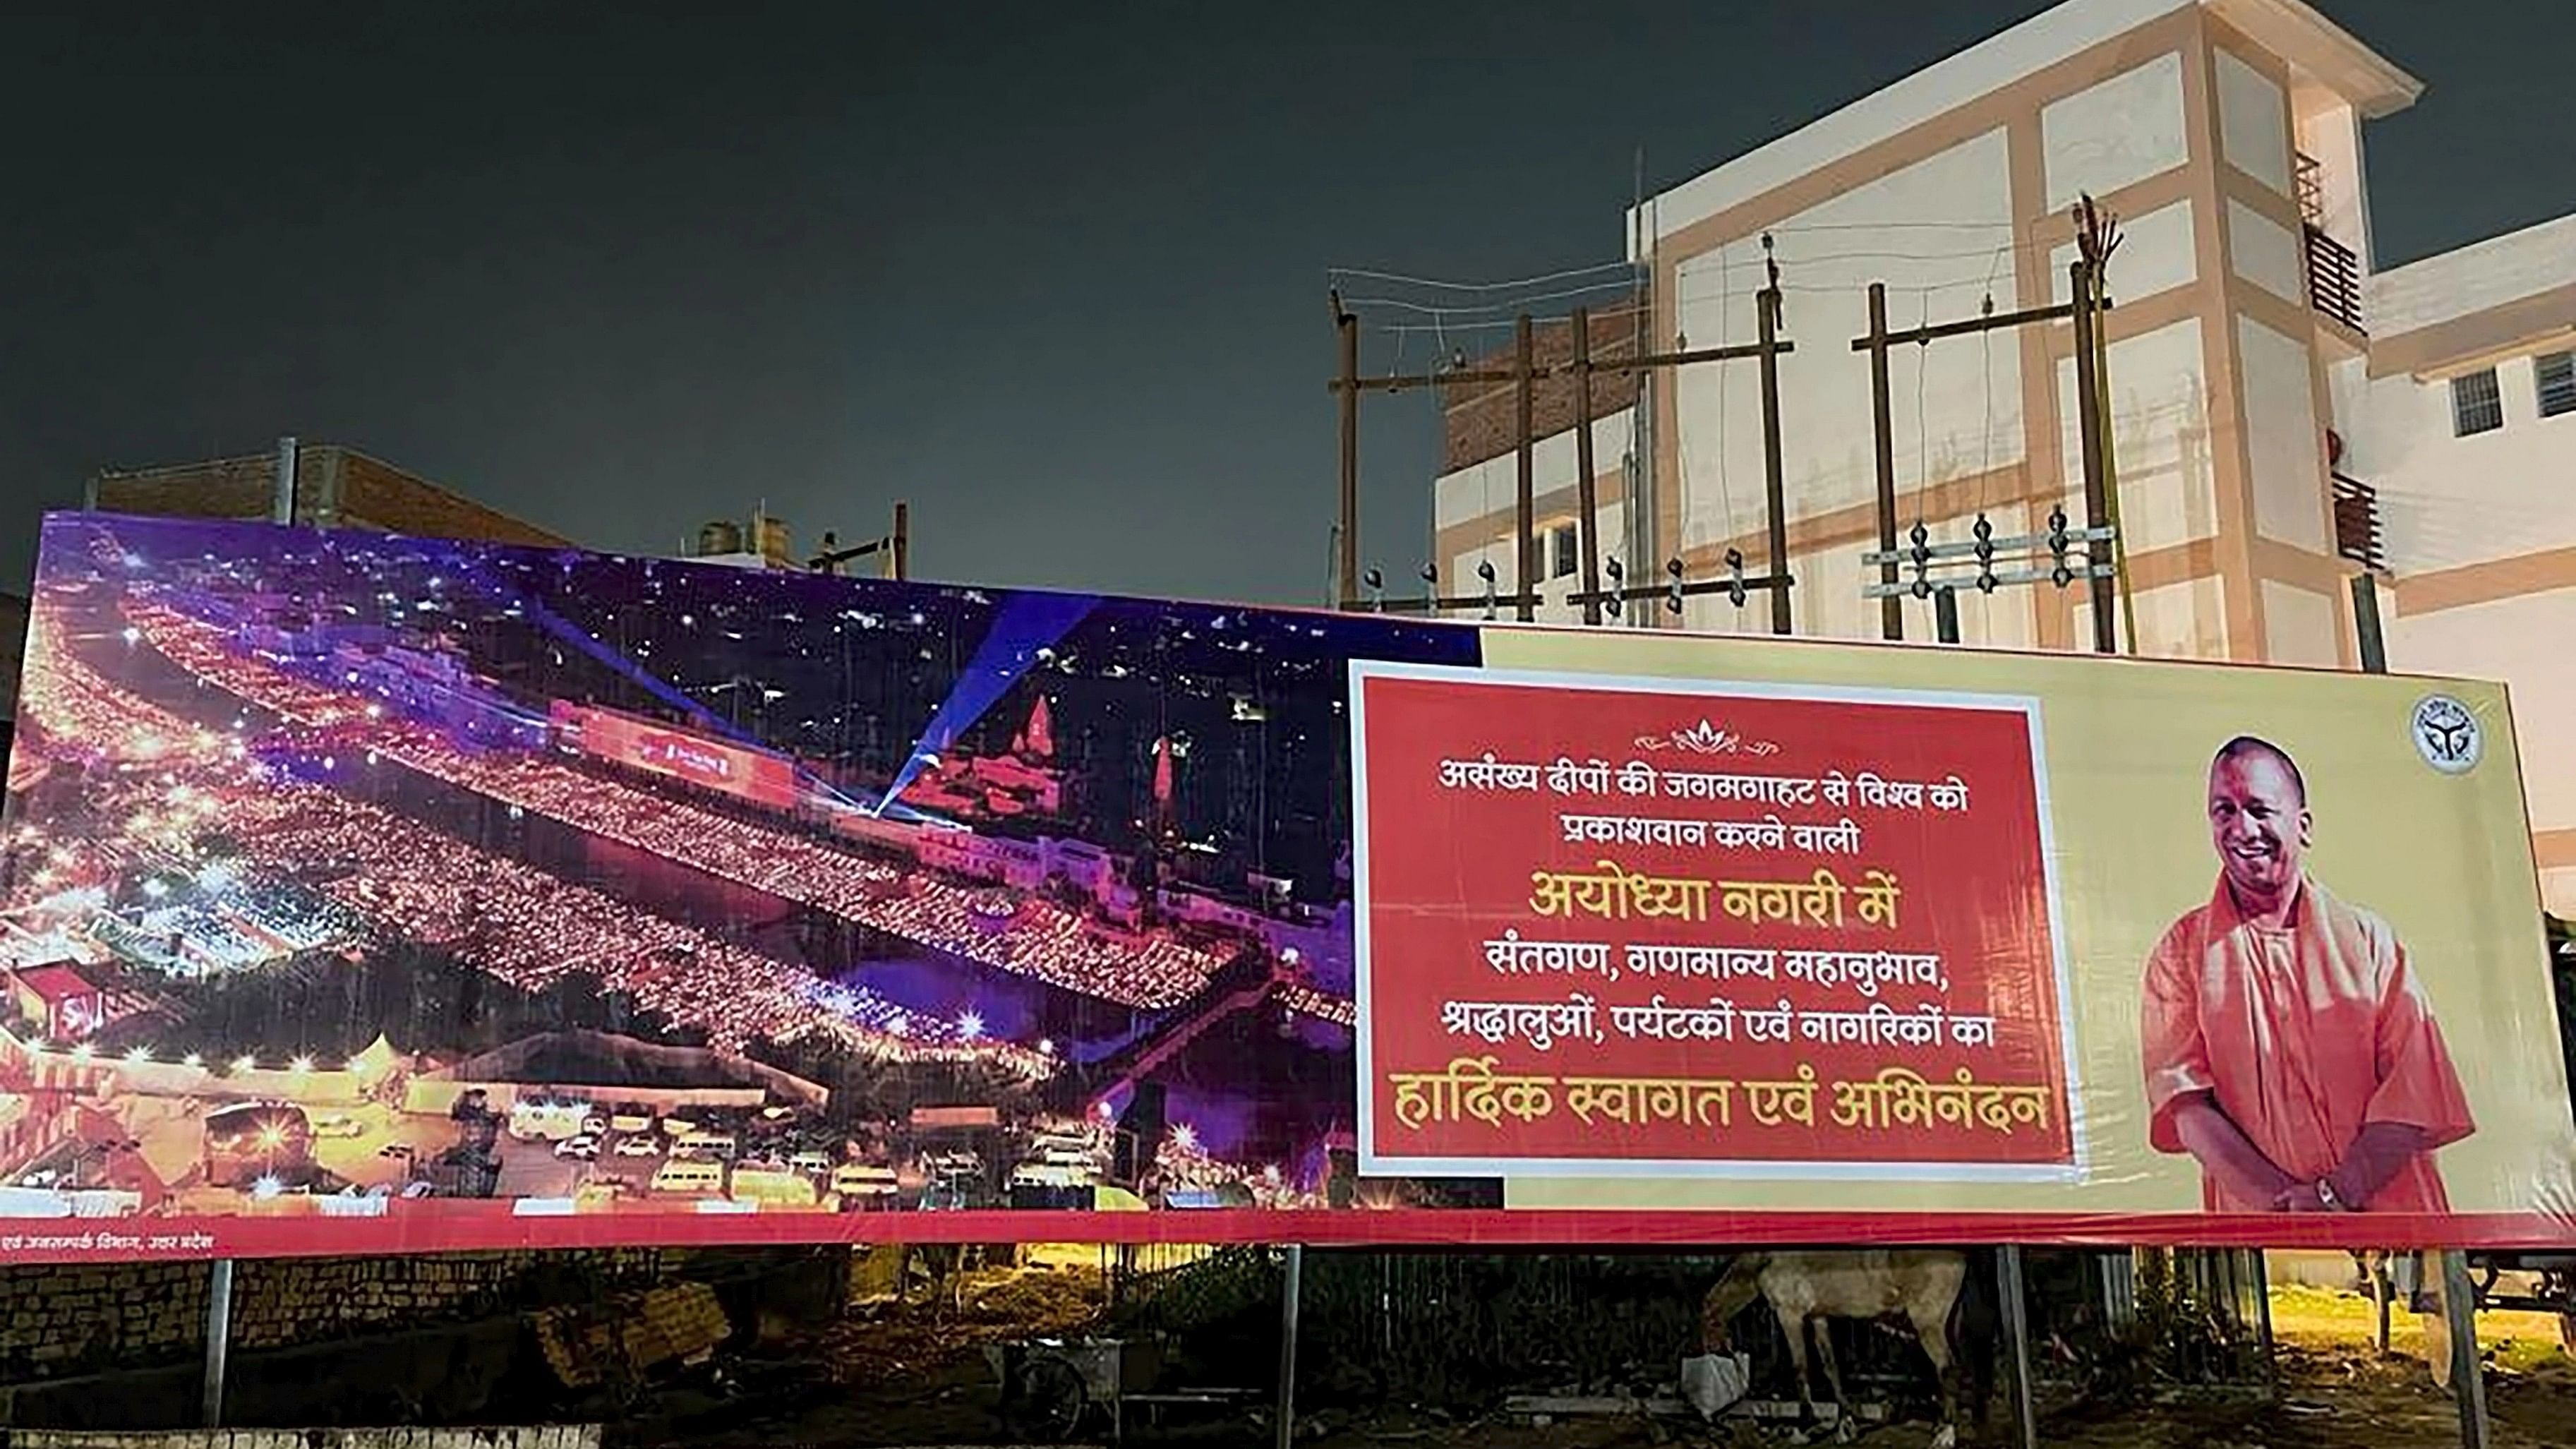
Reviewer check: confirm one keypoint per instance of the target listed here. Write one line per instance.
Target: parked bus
(692, 1175)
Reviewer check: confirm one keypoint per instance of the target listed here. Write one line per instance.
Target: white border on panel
(1371, 1164)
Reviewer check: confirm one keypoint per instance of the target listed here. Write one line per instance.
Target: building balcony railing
(2356, 524)
(2334, 279)
(2311, 188)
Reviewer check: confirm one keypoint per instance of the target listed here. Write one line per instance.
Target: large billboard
(368, 894)
(756, 775)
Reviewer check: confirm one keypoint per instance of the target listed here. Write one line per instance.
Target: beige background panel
(2446, 859)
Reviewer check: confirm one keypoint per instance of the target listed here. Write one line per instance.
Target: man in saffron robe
(2287, 1044)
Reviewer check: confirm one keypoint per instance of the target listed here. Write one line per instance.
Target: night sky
(1055, 273)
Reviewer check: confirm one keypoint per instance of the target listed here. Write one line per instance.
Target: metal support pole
(2088, 389)
(2365, 624)
(902, 541)
(1891, 611)
(2460, 1307)
(1526, 584)
(2263, 1303)
(1288, 1295)
(282, 509)
(1766, 306)
(1945, 613)
(2017, 1337)
(219, 1334)
(2379, 1270)
(1348, 324)
(1586, 492)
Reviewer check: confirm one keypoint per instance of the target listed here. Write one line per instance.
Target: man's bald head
(2259, 822)
(2254, 747)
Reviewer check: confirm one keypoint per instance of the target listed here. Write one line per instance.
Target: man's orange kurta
(2303, 1035)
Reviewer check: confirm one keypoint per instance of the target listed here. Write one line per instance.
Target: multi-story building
(2462, 419)
(2282, 415)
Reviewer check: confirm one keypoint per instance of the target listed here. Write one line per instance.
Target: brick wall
(335, 487)
(376, 494)
(427, 1340)
(220, 488)
(1481, 420)
(557, 1436)
(79, 1318)
(60, 1319)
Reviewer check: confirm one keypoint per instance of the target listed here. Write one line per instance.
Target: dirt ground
(913, 1375)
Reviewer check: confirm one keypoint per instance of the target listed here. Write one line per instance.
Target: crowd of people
(521, 924)
(1043, 939)
(87, 718)
(531, 929)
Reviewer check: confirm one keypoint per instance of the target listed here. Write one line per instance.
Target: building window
(2476, 405)
(2557, 374)
(1561, 557)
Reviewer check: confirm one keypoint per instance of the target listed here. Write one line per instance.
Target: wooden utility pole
(1358, 589)
(2097, 235)
(2084, 308)
(1766, 303)
(1349, 572)
(2088, 385)
(1891, 610)
(1524, 364)
(895, 545)
(1587, 492)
